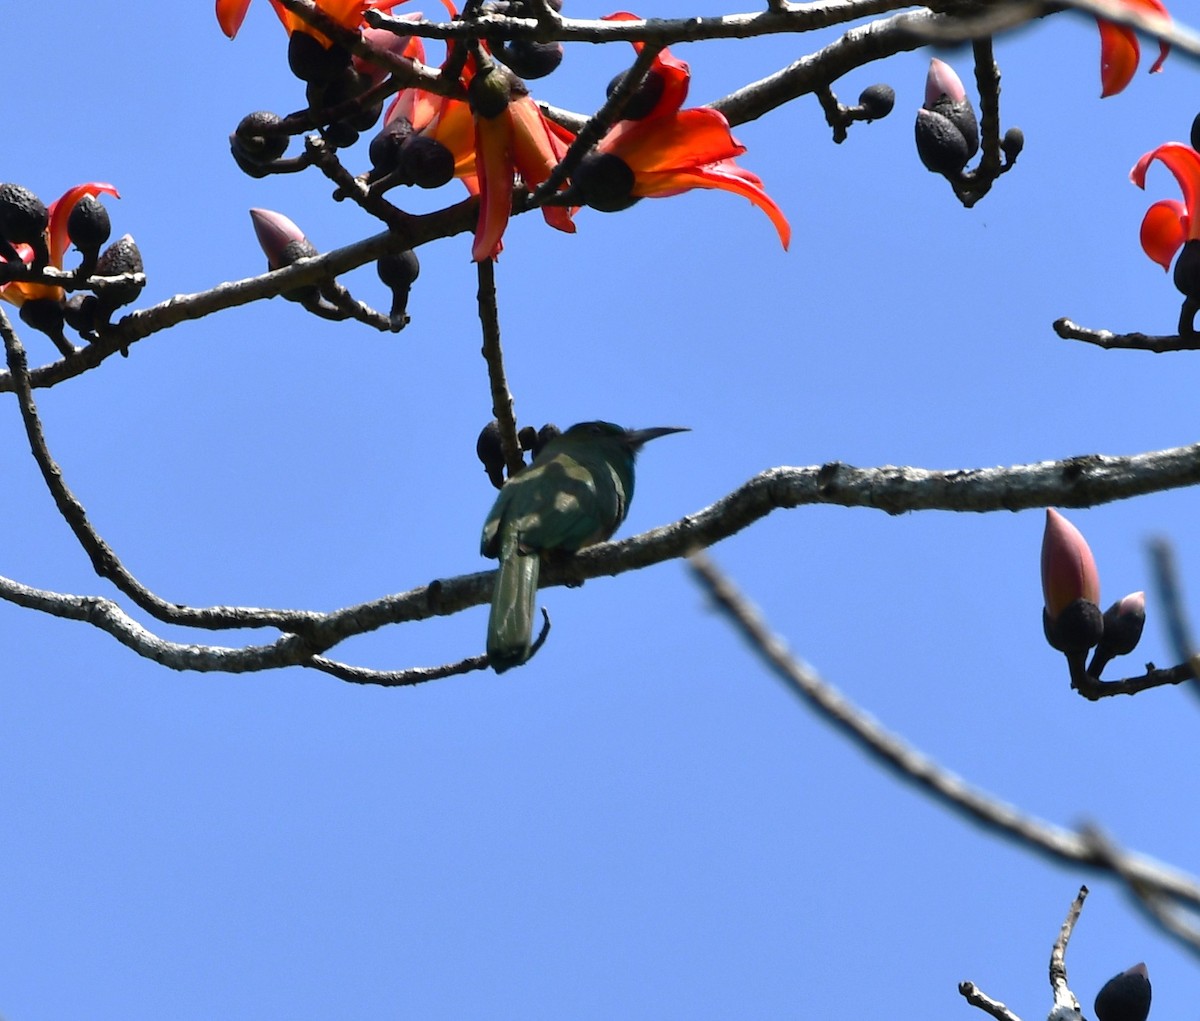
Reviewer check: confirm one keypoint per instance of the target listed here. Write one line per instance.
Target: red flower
(347, 13)
(1119, 51)
(18, 292)
(667, 150)
(491, 151)
(1169, 223)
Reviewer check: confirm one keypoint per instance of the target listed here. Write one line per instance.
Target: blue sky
(641, 823)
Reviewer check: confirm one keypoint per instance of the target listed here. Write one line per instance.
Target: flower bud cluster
(1071, 616)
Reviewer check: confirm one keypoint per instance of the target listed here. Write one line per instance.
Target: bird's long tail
(510, 626)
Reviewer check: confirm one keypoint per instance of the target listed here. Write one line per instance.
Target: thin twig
(493, 354)
(1063, 997)
(976, 998)
(910, 764)
(1158, 344)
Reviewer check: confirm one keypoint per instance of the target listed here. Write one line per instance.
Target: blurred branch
(908, 763)
(1170, 597)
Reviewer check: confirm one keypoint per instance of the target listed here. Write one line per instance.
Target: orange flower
(19, 292)
(1119, 51)
(662, 150)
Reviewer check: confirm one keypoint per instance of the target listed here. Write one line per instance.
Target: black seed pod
(121, 257)
(490, 452)
(940, 144)
(530, 59)
(1187, 270)
(252, 140)
(1123, 624)
(23, 216)
(88, 225)
(426, 162)
(1079, 627)
(385, 146)
(1125, 997)
(644, 99)
(877, 101)
(340, 135)
(82, 313)
(1012, 143)
(399, 269)
(45, 314)
(1195, 137)
(545, 434)
(605, 182)
(314, 63)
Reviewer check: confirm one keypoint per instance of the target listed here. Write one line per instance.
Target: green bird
(576, 493)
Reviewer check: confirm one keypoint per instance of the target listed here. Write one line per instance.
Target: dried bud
(46, 315)
(644, 99)
(119, 258)
(82, 313)
(23, 216)
(1195, 135)
(280, 239)
(1125, 997)
(545, 434)
(88, 225)
(399, 270)
(877, 101)
(253, 139)
(605, 182)
(530, 59)
(490, 451)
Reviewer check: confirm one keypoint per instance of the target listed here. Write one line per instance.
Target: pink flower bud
(942, 80)
(281, 240)
(1068, 568)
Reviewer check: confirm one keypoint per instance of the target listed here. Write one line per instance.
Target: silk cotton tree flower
(347, 13)
(57, 241)
(1119, 50)
(658, 149)
(1170, 225)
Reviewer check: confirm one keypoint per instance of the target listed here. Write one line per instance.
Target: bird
(574, 494)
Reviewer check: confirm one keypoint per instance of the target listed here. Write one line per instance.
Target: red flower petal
(1163, 230)
(690, 138)
(1184, 162)
(1119, 50)
(494, 167)
(231, 14)
(724, 175)
(60, 210)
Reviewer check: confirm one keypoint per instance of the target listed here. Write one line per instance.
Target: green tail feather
(514, 599)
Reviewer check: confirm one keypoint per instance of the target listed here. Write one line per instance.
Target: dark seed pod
(121, 257)
(877, 101)
(530, 59)
(340, 135)
(45, 314)
(88, 225)
(1125, 997)
(490, 452)
(23, 216)
(962, 116)
(644, 99)
(1077, 628)
(1195, 136)
(605, 182)
(545, 434)
(1012, 143)
(399, 269)
(1187, 270)
(82, 313)
(940, 144)
(314, 63)
(252, 140)
(384, 151)
(426, 162)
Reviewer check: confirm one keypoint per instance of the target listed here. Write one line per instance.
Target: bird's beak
(636, 437)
